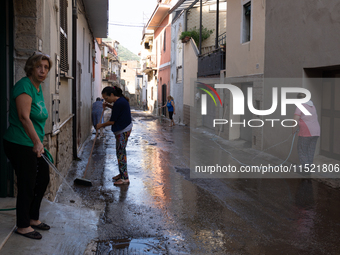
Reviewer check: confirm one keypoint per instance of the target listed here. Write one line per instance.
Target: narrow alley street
(163, 211)
(252, 166)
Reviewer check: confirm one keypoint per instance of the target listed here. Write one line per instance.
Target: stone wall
(60, 146)
(27, 32)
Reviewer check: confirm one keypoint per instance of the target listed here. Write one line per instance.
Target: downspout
(217, 22)
(200, 41)
(186, 20)
(74, 74)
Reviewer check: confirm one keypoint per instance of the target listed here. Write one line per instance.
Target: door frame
(6, 81)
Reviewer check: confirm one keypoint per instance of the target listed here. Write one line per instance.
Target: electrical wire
(131, 25)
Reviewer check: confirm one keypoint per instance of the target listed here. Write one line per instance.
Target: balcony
(149, 63)
(211, 63)
(105, 63)
(110, 77)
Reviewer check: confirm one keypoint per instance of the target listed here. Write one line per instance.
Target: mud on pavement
(134, 218)
(163, 211)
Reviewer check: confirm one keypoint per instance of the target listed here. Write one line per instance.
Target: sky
(129, 13)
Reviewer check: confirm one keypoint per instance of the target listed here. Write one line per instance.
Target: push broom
(83, 181)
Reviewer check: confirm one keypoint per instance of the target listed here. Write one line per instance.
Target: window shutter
(63, 36)
(164, 42)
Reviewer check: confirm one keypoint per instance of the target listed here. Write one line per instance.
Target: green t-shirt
(16, 132)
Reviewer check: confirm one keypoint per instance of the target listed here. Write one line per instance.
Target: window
(63, 37)
(179, 74)
(246, 33)
(164, 40)
(55, 112)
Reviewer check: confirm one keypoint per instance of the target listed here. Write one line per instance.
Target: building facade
(160, 24)
(149, 71)
(66, 31)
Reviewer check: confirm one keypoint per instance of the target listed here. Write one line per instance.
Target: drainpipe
(185, 21)
(217, 22)
(200, 41)
(74, 74)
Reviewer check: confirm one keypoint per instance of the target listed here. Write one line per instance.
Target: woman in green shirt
(23, 144)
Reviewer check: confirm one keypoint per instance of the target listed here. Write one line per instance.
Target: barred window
(63, 36)
(246, 33)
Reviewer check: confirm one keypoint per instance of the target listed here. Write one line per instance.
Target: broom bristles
(82, 181)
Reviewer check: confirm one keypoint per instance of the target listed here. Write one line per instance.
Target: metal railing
(222, 39)
(105, 63)
(211, 63)
(109, 77)
(149, 62)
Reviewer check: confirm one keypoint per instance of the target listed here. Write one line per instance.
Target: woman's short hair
(34, 60)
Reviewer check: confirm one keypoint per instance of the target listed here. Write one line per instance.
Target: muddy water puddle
(132, 246)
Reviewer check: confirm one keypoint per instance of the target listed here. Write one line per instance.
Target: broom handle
(94, 141)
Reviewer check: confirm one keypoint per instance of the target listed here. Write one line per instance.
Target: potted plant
(185, 36)
(194, 33)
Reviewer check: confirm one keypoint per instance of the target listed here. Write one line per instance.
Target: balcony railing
(150, 62)
(110, 77)
(105, 63)
(222, 39)
(211, 63)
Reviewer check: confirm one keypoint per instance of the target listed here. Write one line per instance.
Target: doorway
(6, 81)
(164, 99)
(330, 115)
(78, 104)
(245, 130)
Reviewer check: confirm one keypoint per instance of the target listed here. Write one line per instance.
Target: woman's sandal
(115, 178)
(122, 182)
(33, 235)
(41, 226)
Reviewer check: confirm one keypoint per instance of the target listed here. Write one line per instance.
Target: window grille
(63, 36)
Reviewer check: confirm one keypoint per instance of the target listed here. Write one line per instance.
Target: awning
(157, 17)
(97, 13)
(188, 4)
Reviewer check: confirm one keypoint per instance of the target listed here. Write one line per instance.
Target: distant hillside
(124, 54)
